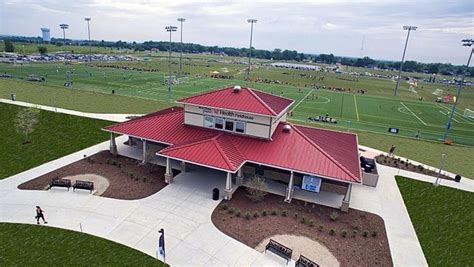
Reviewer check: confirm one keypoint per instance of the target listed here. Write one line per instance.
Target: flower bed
(355, 238)
(408, 166)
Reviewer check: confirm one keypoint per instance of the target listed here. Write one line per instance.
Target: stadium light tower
(170, 29)
(409, 29)
(64, 27)
(181, 20)
(466, 42)
(251, 21)
(88, 32)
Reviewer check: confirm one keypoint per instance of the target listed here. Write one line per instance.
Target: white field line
(355, 103)
(464, 120)
(446, 114)
(297, 104)
(413, 114)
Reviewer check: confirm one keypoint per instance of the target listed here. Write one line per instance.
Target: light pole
(466, 42)
(251, 21)
(170, 29)
(89, 34)
(181, 20)
(64, 27)
(406, 28)
(441, 167)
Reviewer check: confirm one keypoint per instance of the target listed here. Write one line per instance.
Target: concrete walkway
(183, 209)
(100, 116)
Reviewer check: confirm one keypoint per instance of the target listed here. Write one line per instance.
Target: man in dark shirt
(39, 214)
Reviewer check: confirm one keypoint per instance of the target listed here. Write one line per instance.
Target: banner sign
(226, 113)
(311, 183)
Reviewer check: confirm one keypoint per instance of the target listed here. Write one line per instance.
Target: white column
(347, 199)
(113, 145)
(144, 151)
(168, 172)
(168, 165)
(228, 183)
(289, 190)
(239, 180)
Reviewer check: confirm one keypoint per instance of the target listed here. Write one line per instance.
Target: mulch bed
(354, 249)
(408, 166)
(128, 179)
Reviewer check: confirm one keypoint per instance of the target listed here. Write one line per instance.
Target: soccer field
(352, 111)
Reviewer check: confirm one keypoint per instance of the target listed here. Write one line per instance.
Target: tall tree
(42, 50)
(26, 121)
(9, 47)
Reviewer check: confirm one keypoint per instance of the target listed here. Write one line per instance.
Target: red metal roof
(245, 99)
(303, 149)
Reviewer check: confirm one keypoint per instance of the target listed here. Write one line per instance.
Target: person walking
(39, 214)
(391, 151)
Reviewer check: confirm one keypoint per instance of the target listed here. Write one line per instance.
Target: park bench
(60, 183)
(279, 249)
(305, 262)
(83, 185)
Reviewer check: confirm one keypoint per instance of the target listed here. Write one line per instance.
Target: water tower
(46, 35)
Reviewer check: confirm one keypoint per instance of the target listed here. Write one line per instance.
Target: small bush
(131, 175)
(248, 215)
(256, 188)
(114, 163)
(321, 227)
(332, 231)
(255, 214)
(119, 165)
(334, 215)
(374, 234)
(108, 161)
(311, 223)
(274, 212)
(284, 213)
(303, 220)
(136, 178)
(344, 233)
(354, 232)
(264, 213)
(366, 233)
(144, 179)
(225, 206)
(231, 210)
(237, 213)
(295, 216)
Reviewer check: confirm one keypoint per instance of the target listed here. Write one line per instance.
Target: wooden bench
(60, 183)
(83, 185)
(279, 249)
(305, 262)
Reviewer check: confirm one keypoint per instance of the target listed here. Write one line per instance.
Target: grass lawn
(56, 135)
(31, 245)
(442, 218)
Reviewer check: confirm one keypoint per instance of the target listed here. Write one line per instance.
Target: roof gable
(245, 100)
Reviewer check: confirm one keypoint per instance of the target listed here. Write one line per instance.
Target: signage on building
(226, 113)
(311, 183)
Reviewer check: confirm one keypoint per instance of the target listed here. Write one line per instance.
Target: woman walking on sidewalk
(39, 214)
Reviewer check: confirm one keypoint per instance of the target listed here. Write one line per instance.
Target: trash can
(215, 194)
(13, 97)
(457, 178)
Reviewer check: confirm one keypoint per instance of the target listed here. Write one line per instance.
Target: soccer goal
(469, 113)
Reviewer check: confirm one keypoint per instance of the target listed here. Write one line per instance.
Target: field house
(244, 132)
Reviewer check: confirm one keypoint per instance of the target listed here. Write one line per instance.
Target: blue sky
(326, 26)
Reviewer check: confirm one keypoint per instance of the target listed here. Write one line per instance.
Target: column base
(345, 206)
(228, 194)
(239, 180)
(183, 166)
(169, 178)
(113, 150)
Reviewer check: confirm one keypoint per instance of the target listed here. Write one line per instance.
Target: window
(219, 123)
(229, 125)
(240, 126)
(209, 122)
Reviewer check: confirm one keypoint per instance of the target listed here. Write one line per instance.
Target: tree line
(276, 54)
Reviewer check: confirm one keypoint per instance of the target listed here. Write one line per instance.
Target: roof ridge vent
(237, 88)
(287, 128)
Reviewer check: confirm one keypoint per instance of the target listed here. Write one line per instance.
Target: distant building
(46, 34)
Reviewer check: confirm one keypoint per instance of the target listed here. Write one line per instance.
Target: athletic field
(352, 111)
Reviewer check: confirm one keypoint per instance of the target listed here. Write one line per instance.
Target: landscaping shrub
(344, 233)
(284, 213)
(131, 175)
(119, 165)
(303, 220)
(334, 215)
(321, 227)
(144, 179)
(332, 231)
(237, 213)
(264, 212)
(108, 161)
(256, 188)
(255, 214)
(354, 232)
(366, 233)
(231, 210)
(374, 234)
(274, 212)
(225, 206)
(311, 223)
(114, 163)
(247, 215)
(295, 215)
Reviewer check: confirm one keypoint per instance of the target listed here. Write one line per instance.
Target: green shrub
(231, 210)
(374, 234)
(131, 175)
(119, 165)
(237, 213)
(311, 223)
(334, 215)
(114, 162)
(366, 233)
(321, 227)
(295, 216)
(248, 215)
(354, 232)
(303, 220)
(332, 231)
(344, 233)
(255, 214)
(284, 213)
(274, 212)
(225, 206)
(264, 212)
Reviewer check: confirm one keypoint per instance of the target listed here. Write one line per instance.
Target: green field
(56, 135)
(442, 218)
(32, 245)
(374, 111)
